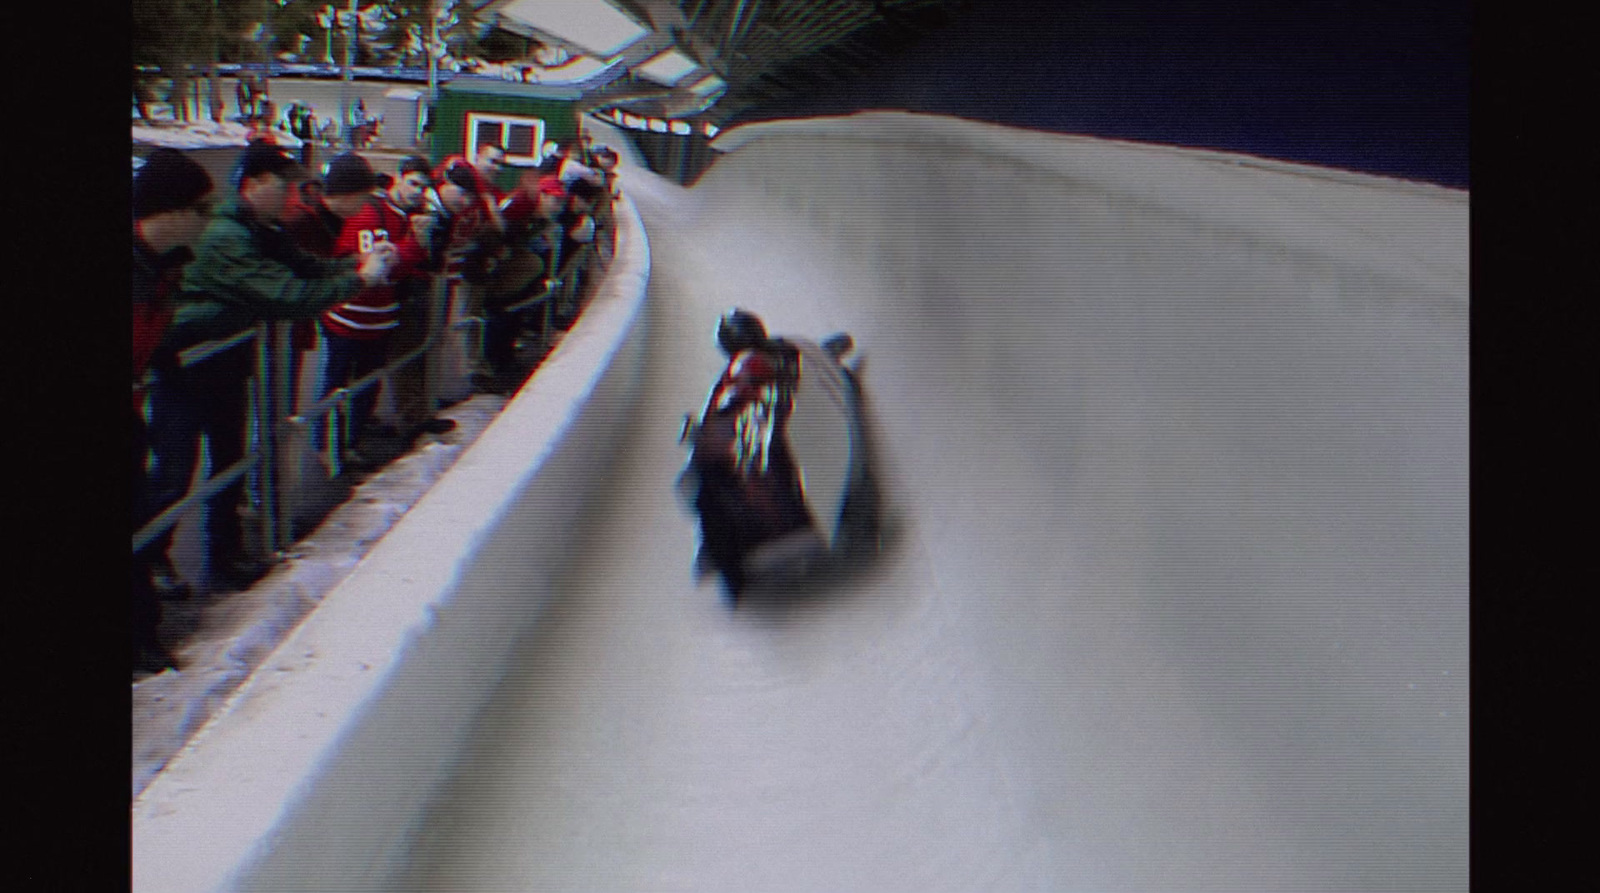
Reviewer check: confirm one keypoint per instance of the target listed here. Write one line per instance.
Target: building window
(522, 138)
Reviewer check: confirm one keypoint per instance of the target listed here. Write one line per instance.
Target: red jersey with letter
(376, 310)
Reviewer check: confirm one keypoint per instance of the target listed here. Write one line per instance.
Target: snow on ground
(203, 135)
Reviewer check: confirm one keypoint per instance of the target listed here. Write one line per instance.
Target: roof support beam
(695, 16)
(731, 41)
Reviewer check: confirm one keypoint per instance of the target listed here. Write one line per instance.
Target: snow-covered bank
(206, 135)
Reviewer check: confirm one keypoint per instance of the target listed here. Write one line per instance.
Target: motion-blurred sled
(779, 468)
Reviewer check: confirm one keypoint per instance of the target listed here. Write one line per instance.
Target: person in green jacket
(248, 269)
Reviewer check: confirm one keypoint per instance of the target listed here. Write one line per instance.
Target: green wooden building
(523, 118)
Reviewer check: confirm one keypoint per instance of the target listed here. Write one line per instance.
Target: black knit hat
(168, 181)
(264, 158)
(348, 174)
(464, 176)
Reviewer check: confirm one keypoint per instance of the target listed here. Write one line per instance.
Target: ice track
(1175, 445)
(1178, 445)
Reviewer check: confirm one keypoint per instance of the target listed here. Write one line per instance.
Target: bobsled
(779, 467)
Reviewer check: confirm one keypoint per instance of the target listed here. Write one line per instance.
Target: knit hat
(264, 158)
(167, 181)
(585, 190)
(348, 174)
(416, 164)
(464, 176)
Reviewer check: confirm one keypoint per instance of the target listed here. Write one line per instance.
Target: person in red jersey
(358, 330)
(485, 168)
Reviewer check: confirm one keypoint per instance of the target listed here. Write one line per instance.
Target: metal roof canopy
(593, 26)
(512, 88)
(763, 50)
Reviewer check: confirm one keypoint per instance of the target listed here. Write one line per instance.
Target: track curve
(1176, 444)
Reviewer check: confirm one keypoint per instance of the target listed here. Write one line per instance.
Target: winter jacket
(376, 310)
(457, 245)
(487, 187)
(313, 227)
(247, 270)
(155, 278)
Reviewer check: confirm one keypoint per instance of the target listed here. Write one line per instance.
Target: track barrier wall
(318, 768)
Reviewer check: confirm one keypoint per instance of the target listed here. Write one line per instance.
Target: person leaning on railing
(577, 234)
(317, 223)
(171, 205)
(521, 276)
(247, 270)
(399, 209)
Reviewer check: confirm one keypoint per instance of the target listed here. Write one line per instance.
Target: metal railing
(255, 455)
(268, 387)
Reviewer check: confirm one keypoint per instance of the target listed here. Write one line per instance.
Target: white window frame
(476, 118)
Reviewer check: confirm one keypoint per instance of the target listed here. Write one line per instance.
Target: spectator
(605, 159)
(532, 238)
(316, 215)
(458, 235)
(248, 269)
(530, 213)
(414, 294)
(263, 97)
(566, 165)
(453, 218)
(315, 222)
(577, 231)
(141, 101)
(489, 162)
(485, 167)
(476, 233)
(359, 330)
(171, 206)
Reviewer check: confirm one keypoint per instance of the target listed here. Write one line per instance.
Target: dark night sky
(1361, 84)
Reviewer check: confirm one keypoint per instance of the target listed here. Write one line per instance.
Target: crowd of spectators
(353, 260)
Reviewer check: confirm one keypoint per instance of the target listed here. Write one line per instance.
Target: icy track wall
(1178, 434)
(1294, 461)
(310, 776)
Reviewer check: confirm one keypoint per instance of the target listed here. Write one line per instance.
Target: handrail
(215, 483)
(205, 350)
(270, 392)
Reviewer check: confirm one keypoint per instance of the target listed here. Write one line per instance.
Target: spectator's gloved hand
(374, 269)
(388, 251)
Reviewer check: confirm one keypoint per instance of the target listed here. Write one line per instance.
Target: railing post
(283, 507)
(263, 496)
(435, 324)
